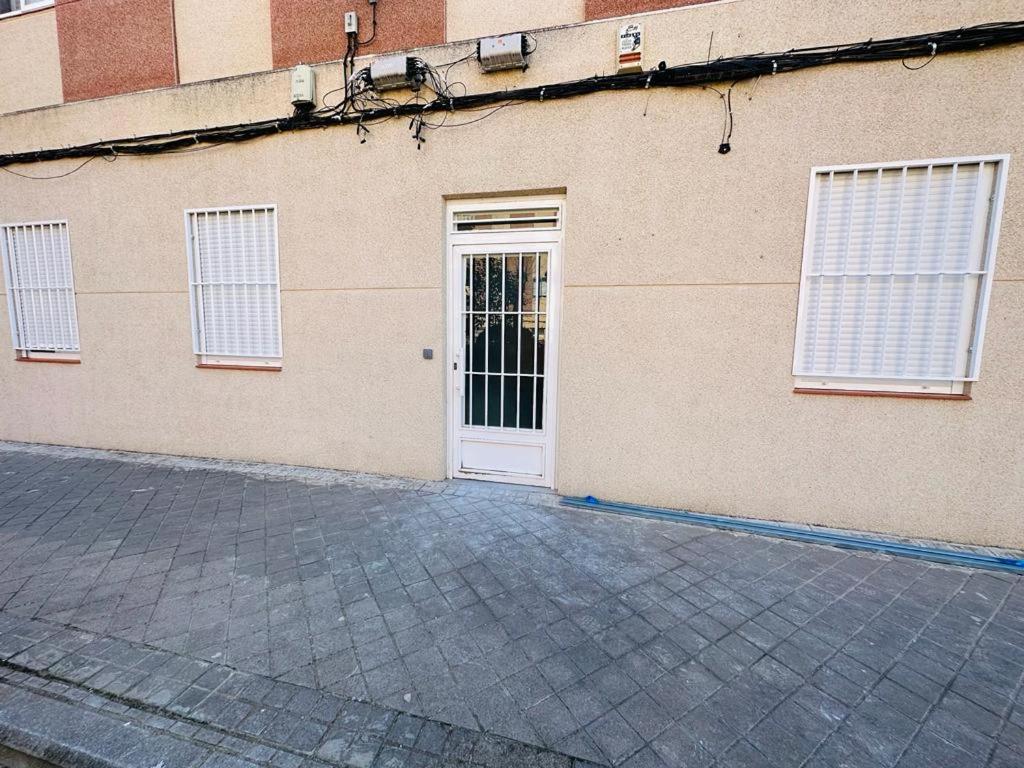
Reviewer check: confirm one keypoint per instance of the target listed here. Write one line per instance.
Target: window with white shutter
(235, 288)
(897, 270)
(40, 290)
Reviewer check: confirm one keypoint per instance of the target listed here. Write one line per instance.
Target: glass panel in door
(504, 332)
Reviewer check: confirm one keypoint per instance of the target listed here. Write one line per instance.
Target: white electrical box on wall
(630, 49)
(351, 22)
(303, 86)
(396, 71)
(504, 52)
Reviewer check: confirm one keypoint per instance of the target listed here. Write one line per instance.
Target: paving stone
(492, 611)
(644, 715)
(675, 747)
(614, 736)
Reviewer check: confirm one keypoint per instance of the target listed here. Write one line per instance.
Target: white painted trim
(503, 204)
(871, 384)
(456, 243)
(27, 7)
(5, 246)
(47, 223)
(987, 275)
(195, 307)
(966, 160)
(995, 220)
(5, 258)
(234, 208)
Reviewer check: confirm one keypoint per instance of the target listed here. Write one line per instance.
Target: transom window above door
(897, 272)
(483, 218)
(504, 274)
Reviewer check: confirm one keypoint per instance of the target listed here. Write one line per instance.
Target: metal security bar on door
(504, 273)
(504, 322)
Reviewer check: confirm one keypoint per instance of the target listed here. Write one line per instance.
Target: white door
(505, 270)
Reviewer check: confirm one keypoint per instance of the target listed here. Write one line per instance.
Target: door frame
(454, 295)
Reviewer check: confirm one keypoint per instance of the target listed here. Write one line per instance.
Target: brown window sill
(239, 367)
(872, 393)
(58, 361)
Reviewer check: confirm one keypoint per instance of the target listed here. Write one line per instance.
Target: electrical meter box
(389, 72)
(351, 23)
(303, 86)
(630, 49)
(504, 52)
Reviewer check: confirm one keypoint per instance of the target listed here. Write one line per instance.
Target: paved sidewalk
(78, 699)
(622, 641)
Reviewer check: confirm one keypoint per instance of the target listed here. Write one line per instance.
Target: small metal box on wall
(303, 86)
(505, 52)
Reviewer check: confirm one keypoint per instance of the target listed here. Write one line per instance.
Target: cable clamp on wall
(934, 47)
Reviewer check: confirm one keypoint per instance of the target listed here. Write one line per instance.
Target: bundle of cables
(362, 106)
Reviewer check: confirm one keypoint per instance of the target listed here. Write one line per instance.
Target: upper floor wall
(70, 50)
(467, 19)
(222, 38)
(30, 61)
(115, 46)
(312, 31)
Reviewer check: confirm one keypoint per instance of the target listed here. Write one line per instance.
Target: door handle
(457, 373)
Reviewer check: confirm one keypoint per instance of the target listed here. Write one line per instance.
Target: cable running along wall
(363, 113)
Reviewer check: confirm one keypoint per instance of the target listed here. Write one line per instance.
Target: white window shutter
(235, 284)
(40, 287)
(897, 261)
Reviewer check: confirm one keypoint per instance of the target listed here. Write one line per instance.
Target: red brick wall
(115, 46)
(310, 31)
(602, 9)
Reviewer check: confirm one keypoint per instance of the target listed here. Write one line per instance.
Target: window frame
(23, 353)
(957, 387)
(223, 361)
(510, 204)
(27, 6)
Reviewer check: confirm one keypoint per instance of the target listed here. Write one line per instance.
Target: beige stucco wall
(681, 272)
(29, 61)
(468, 19)
(223, 38)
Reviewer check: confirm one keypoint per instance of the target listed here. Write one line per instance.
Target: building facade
(820, 324)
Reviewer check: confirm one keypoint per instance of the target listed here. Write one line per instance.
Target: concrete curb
(64, 702)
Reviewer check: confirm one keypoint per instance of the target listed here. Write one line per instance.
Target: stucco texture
(228, 37)
(30, 61)
(680, 277)
(115, 46)
(603, 9)
(470, 19)
(311, 31)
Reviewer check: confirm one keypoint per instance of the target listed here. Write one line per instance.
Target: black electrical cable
(76, 169)
(734, 69)
(373, 28)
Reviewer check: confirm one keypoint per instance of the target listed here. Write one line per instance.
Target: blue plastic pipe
(934, 554)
